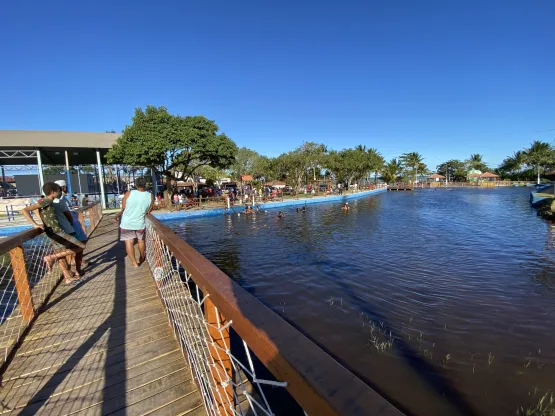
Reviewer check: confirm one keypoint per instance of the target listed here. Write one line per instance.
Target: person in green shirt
(64, 244)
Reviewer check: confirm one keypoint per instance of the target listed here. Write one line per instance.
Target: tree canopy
(453, 170)
(529, 163)
(392, 170)
(413, 162)
(172, 145)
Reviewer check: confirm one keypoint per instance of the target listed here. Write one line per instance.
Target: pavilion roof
(18, 147)
(436, 176)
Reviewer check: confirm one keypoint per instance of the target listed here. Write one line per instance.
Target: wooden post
(81, 217)
(22, 283)
(91, 220)
(221, 360)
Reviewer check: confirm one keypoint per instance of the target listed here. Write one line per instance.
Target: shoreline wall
(271, 205)
(166, 216)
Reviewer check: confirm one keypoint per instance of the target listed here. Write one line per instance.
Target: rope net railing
(227, 381)
(244, 358)
(26, 282)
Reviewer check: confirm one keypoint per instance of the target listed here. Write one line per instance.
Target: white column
(79, 178)
(41, 177)
(101, 180)
(117, 178)
(68, 176)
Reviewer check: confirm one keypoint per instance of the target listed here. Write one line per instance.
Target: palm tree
(376, 162)
(539, 155)
(513, 163)
(391, 170)
(412, 161)
(476, 161)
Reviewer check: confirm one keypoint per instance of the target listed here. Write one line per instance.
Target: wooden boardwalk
(102, 347)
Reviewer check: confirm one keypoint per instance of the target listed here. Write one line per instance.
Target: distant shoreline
(266, 206)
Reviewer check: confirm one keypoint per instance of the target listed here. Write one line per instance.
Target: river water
(443, 301)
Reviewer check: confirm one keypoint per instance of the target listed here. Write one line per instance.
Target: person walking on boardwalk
(65, 245)
(134, 207)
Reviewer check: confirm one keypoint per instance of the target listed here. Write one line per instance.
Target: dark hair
(50, 187)
(140, 182)
(86, 195)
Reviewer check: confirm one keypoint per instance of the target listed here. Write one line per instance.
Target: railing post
(223, 372)
(17, 258)
(92, 219)
(81, 217)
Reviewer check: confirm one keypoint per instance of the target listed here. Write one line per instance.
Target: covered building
(35, 148)
(436, 177)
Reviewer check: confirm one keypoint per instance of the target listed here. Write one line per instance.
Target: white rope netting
(17, 310)
(26, 282)
(226, 379)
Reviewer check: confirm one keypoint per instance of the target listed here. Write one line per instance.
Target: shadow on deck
(102, 347)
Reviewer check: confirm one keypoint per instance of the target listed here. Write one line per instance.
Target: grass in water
(544, 407)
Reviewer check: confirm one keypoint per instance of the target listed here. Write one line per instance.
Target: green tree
(245, 163)
(212, 175)
(87, 169)
(391, 171)
(512, 165)
(453, 170)
(539, 155)
(376, 162)
(53, 170)
(349, 165)
(172, 145)
(315, 154)
(412, 162)
(294, 167)
(476, 162)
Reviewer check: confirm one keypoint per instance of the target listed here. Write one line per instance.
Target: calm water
(462, 282)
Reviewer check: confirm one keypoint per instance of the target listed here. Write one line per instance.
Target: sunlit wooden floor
(102, 347)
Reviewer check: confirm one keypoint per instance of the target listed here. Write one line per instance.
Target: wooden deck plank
(102, 347)
(84, 373)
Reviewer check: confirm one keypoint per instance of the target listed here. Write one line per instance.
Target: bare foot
(69, 281)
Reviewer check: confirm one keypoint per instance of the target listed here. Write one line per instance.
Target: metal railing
(228, 336)
(25, 281)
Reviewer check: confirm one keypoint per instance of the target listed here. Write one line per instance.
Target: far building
(436, 177)
(474, 175)
(436, 180)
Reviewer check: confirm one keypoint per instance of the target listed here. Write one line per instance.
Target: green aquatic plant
(544, 407)
(490, 358)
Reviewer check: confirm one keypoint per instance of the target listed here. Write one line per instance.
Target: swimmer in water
(304, 208)
(298, 209)
(281, 214)
(345, 207)
(248, 210)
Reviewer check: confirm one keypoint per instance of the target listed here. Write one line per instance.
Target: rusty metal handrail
(319, 384)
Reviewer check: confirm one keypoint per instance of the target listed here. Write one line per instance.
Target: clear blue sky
(445, 78)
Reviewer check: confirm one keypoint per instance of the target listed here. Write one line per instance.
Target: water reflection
(461, 282)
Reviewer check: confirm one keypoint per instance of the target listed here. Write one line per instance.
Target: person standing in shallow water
(134, 207)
